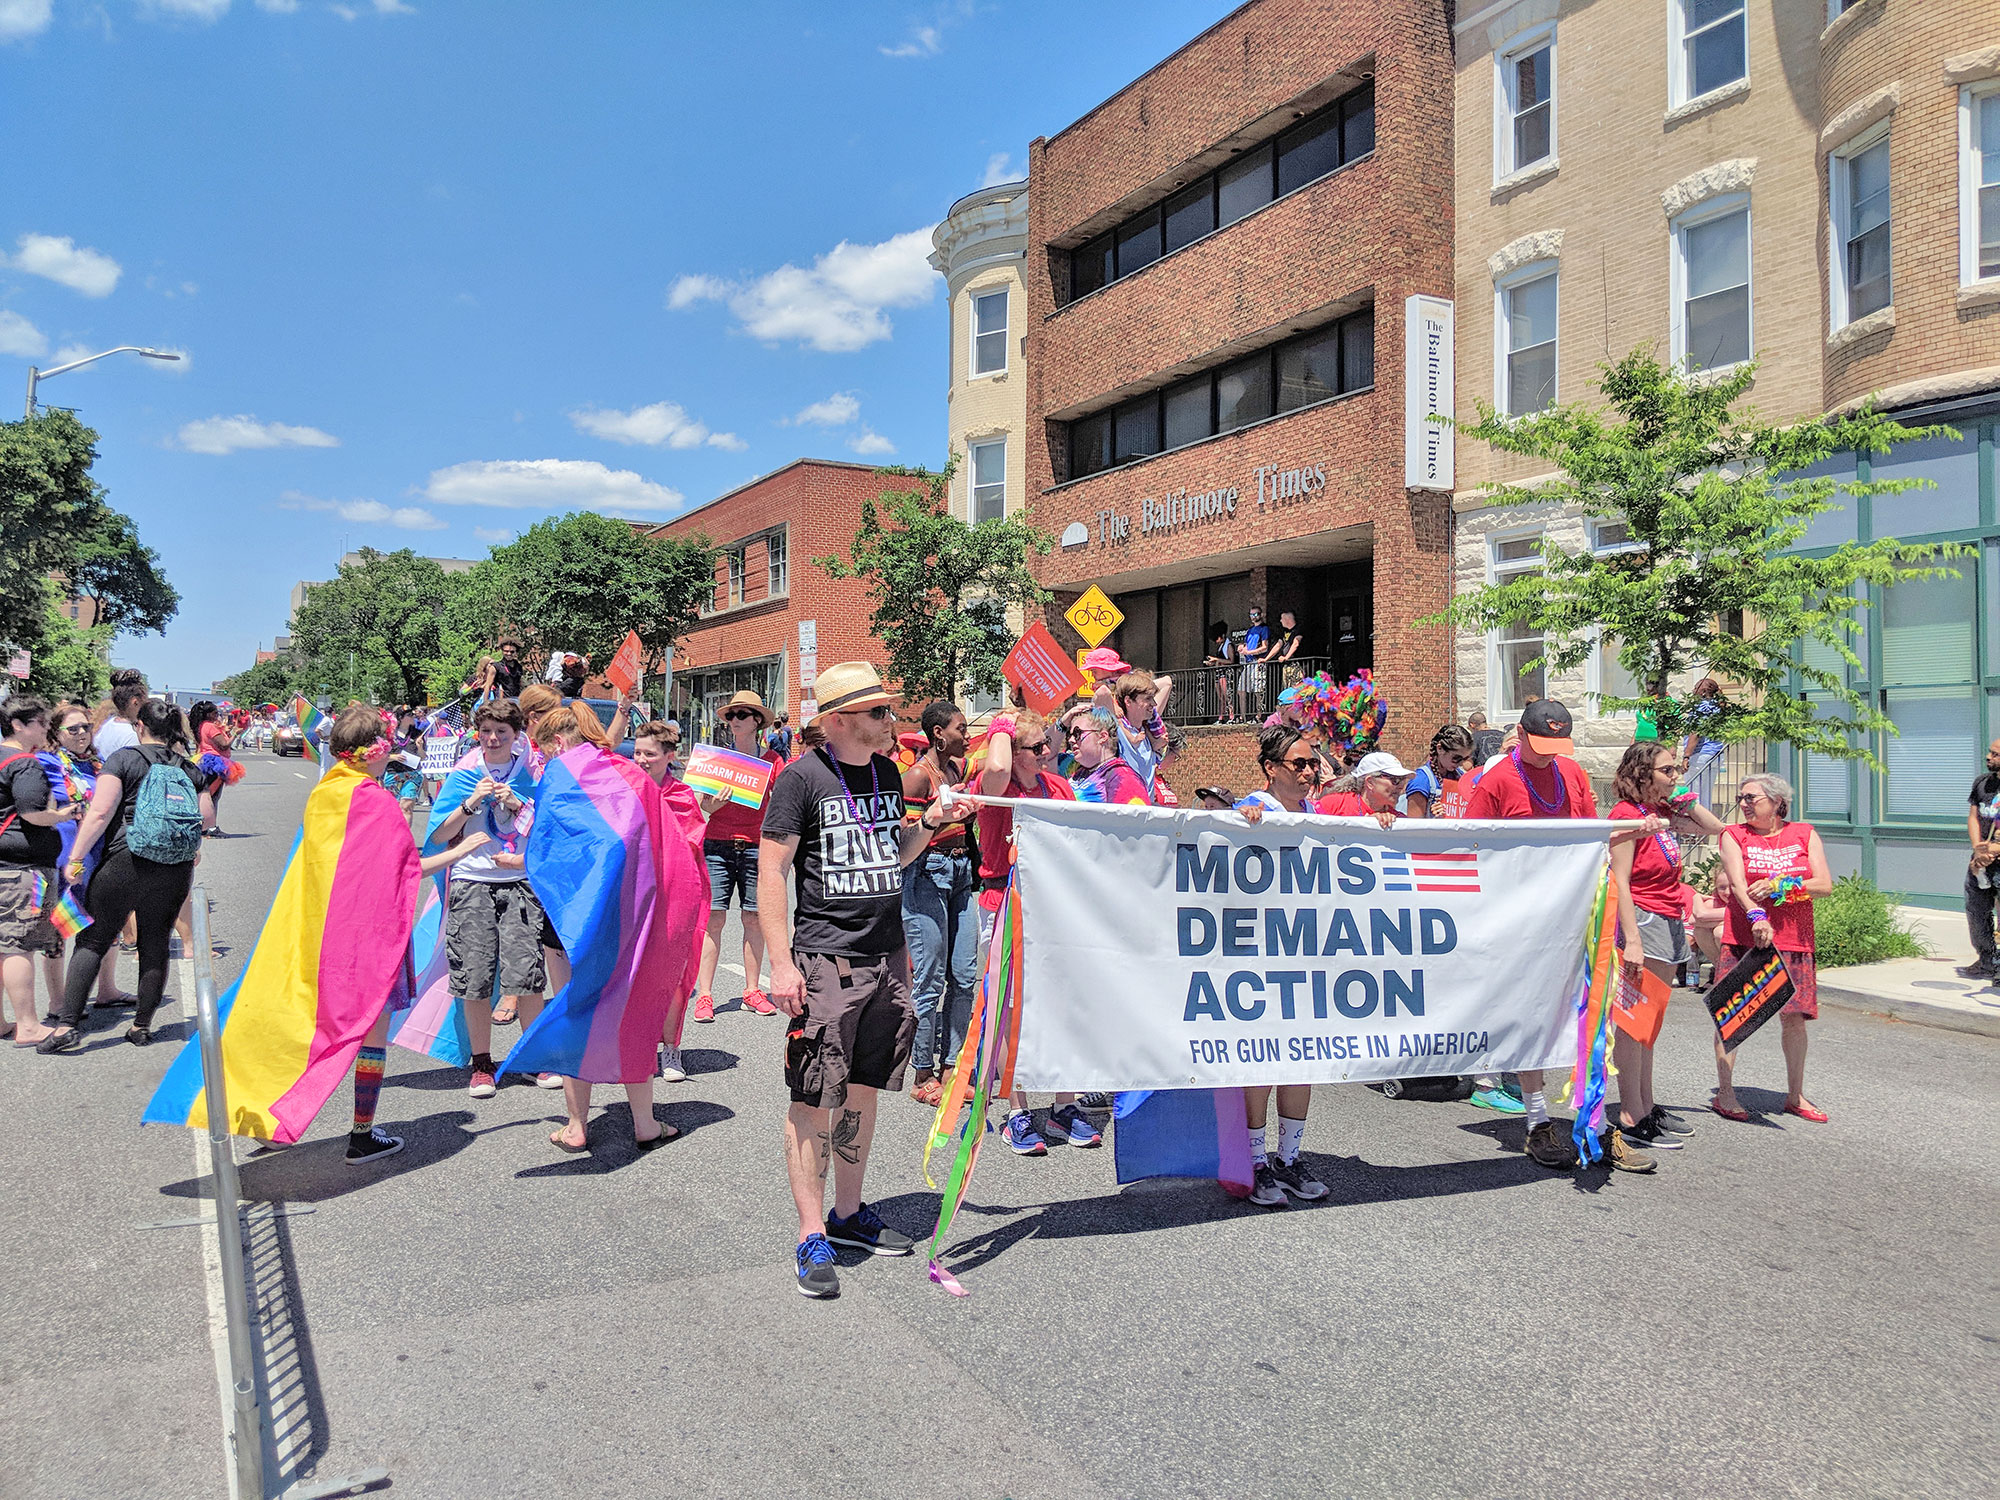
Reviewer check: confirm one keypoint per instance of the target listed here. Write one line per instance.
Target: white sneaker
(548, 1080)
(670, 1065)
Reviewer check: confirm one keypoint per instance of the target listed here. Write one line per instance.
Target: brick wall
(1377, 231)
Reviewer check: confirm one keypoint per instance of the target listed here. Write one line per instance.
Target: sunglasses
(1749, 798)
(1039, 748)
(1078, 731)
(1300, 766)
(76, 728)
(878, 713)
(740, 713)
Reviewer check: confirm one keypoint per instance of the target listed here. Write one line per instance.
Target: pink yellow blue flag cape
(1183, 1133)
(334, 950)
(616, 862)
(434, 1027)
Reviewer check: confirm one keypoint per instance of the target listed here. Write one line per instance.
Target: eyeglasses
(1039, 749)
(878, 713)
(1078, 731)
(739, 713)
(1300, 766)
(1749, 799)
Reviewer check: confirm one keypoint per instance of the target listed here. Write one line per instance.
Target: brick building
(774, 615)
(1219, 259)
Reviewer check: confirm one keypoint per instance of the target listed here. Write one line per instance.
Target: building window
(777, 559)
(1527, 341)
(1335, 359)
(1712, 286)
(738, 566)
(1342, 132)
(1711, 46)
(1979, 182)
(989, 332)
(1516, 643)
(1525, 132)
(1859, 194)
(1608, 675)
(989, 480)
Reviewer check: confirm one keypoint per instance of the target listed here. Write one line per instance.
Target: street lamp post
(35, 377)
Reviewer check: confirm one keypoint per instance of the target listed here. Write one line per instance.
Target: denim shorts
(732, 864)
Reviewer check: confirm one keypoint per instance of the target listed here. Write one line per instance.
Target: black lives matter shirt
(848, 881)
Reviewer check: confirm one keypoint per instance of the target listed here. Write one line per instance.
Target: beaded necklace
(1559, 803)
(874, 789)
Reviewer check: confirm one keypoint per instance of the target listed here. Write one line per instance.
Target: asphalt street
(1784, 1309)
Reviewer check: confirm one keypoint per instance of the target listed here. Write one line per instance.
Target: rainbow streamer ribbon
(621, 876)
(69, 918)
(334, 950)
(1594, 1019)
(982, 1072)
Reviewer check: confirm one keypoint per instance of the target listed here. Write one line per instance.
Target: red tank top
(1767, 856)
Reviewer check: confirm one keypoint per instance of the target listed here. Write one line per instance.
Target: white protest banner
(1189, 949)
(441, 753)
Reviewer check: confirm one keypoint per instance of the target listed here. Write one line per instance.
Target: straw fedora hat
(749, 700)
(848, 685)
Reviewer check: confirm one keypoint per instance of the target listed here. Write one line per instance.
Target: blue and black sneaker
(866, 1231)
(1019, 1132)
(817, 1278)
(1067, 1126)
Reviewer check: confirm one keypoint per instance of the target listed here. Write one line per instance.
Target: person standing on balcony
(1256, 645)
(1983, 807)
(1222, 656)
(1702, 753)
(1285, 645)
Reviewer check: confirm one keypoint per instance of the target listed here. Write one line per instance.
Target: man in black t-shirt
(1983, 808)
(836, 816)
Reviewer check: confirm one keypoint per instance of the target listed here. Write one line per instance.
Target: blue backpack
(166, 820)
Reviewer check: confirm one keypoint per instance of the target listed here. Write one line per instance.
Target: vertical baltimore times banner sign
(1188, 950)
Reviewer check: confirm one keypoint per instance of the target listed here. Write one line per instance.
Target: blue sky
(441, 269)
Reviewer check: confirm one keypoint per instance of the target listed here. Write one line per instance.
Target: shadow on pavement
(317, 1170)
(609, 1136)
(698, 1060)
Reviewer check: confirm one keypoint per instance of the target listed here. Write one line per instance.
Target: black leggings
(125, 886)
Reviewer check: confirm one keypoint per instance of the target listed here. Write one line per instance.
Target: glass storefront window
(1927, 634)
(1932, 760)
(1952, 466)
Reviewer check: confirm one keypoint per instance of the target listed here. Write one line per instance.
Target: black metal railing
(1246, 691)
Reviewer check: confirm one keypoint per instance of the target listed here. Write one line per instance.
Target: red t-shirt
(996, 832)
(1765, 857)
(1341, 805)
(1501, 792)
(1656, 866)
(733, 823)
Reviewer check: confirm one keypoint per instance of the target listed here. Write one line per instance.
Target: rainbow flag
(1594, 1015)
(334, 950)
(616, 860)
(69, 918)
(309, 720)
(743, 779)
(1182, 1133)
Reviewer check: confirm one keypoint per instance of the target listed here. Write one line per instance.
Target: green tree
(579, 582)
(471, 627)
(1715, 503)
(65, 660)
(266, 682)
(374, 628)
(57, 523)
(942, 588)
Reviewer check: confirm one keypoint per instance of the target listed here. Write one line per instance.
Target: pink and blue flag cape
(1182, 1133)
(616, 861)
(435, 1026)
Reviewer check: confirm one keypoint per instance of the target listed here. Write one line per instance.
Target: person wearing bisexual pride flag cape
(331, 963)
(615, 858)
(482, 935)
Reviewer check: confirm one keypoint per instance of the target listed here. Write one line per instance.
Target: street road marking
(300, 774)
(211, 1260)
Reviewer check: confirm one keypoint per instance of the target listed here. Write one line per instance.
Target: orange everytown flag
(1041, 670)
(624, 669)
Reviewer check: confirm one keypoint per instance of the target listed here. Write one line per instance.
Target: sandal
(653, 1143)
(556, 1140)
(1805, 1111)
(506, 1015)
(1740, 1116)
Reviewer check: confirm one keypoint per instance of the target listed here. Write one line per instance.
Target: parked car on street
(288, 739)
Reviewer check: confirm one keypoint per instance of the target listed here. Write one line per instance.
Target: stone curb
(1917, 1012)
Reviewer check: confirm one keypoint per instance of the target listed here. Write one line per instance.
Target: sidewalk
(1922, 990)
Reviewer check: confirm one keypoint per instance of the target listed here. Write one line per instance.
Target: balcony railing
(1248, 692)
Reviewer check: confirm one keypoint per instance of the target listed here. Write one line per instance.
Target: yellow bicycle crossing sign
(1094, 616)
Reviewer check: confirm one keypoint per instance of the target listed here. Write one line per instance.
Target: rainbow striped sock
(368, 1066)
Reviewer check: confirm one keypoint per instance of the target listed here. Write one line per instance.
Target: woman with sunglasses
(731, 848)
(1020, 749)
(1773, 868)
(1291, 776)
(71, 765)
(1436, 790)
(1098, 775)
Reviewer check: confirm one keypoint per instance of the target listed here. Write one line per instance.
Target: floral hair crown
(380, 746)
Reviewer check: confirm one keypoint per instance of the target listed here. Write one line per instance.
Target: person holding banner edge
(1774, 869)
(841, 970)
(731, 849)
(938, 925)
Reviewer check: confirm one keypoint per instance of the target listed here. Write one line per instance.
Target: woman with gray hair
(1773, 868)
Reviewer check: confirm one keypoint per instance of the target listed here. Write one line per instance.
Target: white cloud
(836, 410)
(999, 169)
(925, 41)
(366, 512)
(394, 8)
(23, 18)
(836, 304)
(278, 7)
(230, 434)
(187, 10)
(663, 424)
(493, 534)
(869, 441)
(62, 260)
(19, 336)
(548, 484)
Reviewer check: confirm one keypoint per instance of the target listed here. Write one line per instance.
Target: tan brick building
(1812, 183)
(1219, 257)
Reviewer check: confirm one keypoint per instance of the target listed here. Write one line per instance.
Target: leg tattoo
(846, 1132)
(820, 1153)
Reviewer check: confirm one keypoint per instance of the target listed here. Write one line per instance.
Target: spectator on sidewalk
(1983, 807)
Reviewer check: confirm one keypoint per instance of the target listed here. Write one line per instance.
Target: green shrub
(1854, 925)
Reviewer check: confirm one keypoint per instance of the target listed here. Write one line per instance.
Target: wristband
(465, 808)
(1002, 724)
(1757, 914)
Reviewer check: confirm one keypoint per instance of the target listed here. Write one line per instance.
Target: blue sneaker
(866, 1231)
(817, 1278)
(1019, 1133)
(1068, 1127)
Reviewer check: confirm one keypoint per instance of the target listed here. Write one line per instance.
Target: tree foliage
(579, 582)
(374, 628)
(266, 682)
(66, 660)
(56, 522)
(942, 588)
(1715, 503)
